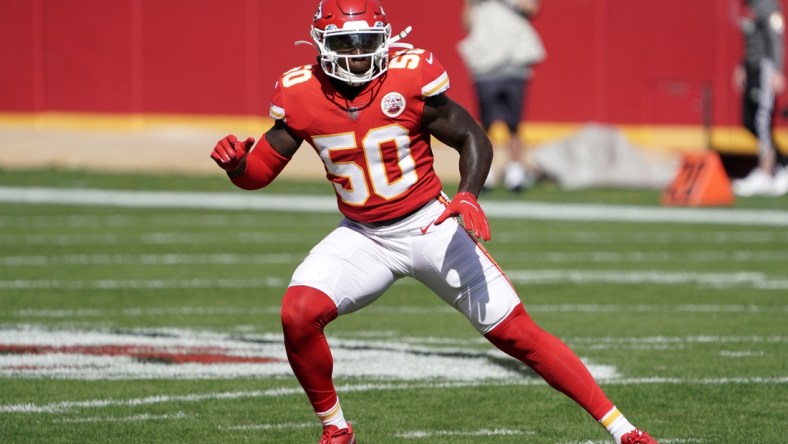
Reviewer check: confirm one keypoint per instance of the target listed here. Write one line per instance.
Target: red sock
(305, 312)
(520, 337)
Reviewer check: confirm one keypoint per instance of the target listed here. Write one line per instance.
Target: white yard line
(153, 238)
(661, 440)
(327, 204)
(420, 434)
(68, 406)
(396, 310)
(131, 418)
(751, 279)
(282, 426)
(140, 284)
(748, 279)
(159, 260)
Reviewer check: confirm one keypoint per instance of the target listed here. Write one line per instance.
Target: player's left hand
(465, 205)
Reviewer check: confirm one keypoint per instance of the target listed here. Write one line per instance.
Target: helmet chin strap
(303, 42)
(393, 41)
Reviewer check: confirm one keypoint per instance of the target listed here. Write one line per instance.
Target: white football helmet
(352, 29)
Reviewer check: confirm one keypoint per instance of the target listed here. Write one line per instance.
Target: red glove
(465, 205)
(229, 153)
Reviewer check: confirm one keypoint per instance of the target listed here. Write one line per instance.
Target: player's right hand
(229, 153)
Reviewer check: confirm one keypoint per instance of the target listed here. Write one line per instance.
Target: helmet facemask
(337, 47)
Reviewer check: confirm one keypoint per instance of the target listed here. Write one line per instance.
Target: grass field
(159, 324)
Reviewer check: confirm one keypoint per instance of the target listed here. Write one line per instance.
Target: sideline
(325, 204)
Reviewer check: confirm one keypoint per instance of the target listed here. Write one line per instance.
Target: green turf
(698, 337)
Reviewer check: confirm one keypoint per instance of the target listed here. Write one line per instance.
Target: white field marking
(140, 284)
(379, 359)
(397, 310)
(681, 440)
(752, 279)
(742, 354)
(643, 256)
(271, 238)
(282, 426)
(605, 343)
(162, 220)
(647, 308)
(150, 259)
(419, 434)
(661, 440)
(207, 338)
(327, 204)
(136, 312)
(285, 258)
(68, 406)
(158, 238)
(606, 441)
(665, 343)
(746, 238)
(132, 418)
(710, 339)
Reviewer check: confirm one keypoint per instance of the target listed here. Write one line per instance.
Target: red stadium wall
(613, 61)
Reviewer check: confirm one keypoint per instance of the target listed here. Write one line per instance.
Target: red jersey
(374, 148)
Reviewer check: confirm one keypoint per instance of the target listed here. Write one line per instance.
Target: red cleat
(334, 435)
(635, 437)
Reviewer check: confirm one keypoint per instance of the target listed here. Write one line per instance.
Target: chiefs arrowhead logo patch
(393, 104)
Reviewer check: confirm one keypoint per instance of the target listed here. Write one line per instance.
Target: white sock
(616, 424)
(333, 416)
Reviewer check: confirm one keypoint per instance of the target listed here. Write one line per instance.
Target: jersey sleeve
(277, 108)
(435, 79)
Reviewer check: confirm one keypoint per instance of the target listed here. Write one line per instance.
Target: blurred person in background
(760, 78)
(369, 108)
(499, 51)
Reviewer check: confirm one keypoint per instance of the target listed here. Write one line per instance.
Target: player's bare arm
(454, 126)
(282, 140)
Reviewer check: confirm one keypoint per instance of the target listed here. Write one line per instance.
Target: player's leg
(520, 337)
(513, 96)
(772, 160)
(487, 97)
(305, 313)
(472, 282)
(339, 276)
(763, 118)
(467, 278)
(757, 112)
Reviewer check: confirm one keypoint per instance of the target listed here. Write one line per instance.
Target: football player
(368, 108)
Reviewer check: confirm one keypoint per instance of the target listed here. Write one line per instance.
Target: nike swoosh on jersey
(429, 59)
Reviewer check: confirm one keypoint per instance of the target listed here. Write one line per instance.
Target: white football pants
(357, 262)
